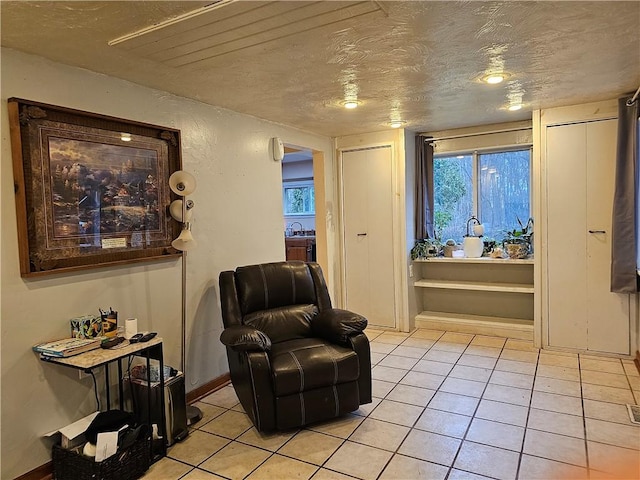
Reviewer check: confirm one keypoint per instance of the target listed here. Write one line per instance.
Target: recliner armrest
(338, 325)
(242, 338)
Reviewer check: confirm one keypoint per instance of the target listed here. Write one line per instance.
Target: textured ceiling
(295, 62)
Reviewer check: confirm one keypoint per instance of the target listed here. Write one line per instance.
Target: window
(299, 198)
(494, 186)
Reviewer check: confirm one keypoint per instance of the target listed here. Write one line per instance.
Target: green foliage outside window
(299, 200)
(503, 192)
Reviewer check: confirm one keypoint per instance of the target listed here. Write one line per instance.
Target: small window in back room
(299, 198)
(495, 186)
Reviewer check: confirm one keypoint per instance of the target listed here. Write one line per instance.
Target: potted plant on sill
(518, 242)
(425, 248)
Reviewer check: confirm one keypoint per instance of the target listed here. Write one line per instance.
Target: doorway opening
(303, 204)
(299, 205)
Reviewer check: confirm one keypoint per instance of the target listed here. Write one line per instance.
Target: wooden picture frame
(91, 190)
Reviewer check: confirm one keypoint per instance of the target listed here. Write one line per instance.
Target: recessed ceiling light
(350, 104)
(125, 137)
(514, 107)
(494, 78)
(396, 123)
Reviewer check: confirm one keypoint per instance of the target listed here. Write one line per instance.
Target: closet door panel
(566, 240)
(355, 214)
(608, 313)
(368, 234)
(380, 228)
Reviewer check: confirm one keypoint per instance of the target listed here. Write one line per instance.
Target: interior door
(608, 317)
(583, 313)
(367, 194)
(566, 239)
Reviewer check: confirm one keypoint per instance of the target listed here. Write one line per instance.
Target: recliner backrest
(278, 299)
(273, 285)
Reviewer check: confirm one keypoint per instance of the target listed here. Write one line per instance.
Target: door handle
(597, 231)
(362, 234)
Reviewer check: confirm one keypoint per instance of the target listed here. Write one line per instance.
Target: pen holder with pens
(109, 322)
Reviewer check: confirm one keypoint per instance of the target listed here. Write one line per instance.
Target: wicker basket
(128, 464)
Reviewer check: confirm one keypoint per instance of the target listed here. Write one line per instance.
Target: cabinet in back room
(303, 249)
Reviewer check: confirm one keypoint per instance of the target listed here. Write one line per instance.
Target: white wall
(297, 170)
(238, 220)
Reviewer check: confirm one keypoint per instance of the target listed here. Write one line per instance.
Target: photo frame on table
(91, 190)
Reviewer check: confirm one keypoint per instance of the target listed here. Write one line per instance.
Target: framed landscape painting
(91, 190)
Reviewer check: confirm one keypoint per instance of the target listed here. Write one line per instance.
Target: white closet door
(368, 234)
(608, 315)
(583, 313)
(566, 240)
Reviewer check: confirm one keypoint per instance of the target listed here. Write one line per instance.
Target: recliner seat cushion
(283, 323)
(304, 364)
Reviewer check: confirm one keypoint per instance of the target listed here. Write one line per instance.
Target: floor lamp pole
(194, 414)
(183, 354)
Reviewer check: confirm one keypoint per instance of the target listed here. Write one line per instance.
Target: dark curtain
(623, 235)
(424, 188)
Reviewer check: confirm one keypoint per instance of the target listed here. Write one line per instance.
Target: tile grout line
(396, 451)
(584, 418)
(526, 423)
(473, 416)
(449, 467)
(344, 440)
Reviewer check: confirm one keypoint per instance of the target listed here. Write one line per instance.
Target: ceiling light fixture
(125, 137)
(396, 123)
(494, 78)
(350, 104)
(515, 107)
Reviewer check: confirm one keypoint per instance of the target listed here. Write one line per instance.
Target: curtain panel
(624, 277)
(424, 189)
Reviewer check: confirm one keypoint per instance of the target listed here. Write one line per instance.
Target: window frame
(297, 184)
(475, 166)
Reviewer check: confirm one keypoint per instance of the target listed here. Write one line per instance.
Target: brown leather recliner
(293, 359)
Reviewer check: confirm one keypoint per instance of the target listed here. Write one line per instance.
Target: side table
(96, 358)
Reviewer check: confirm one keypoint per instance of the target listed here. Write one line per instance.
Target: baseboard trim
(209, 387)
(45, 472)
(637, 360)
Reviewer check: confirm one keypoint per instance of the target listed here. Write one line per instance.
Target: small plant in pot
(489, 245)
(425, 248)
(517, 243)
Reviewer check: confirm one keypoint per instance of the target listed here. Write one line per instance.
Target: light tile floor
(446, 406)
